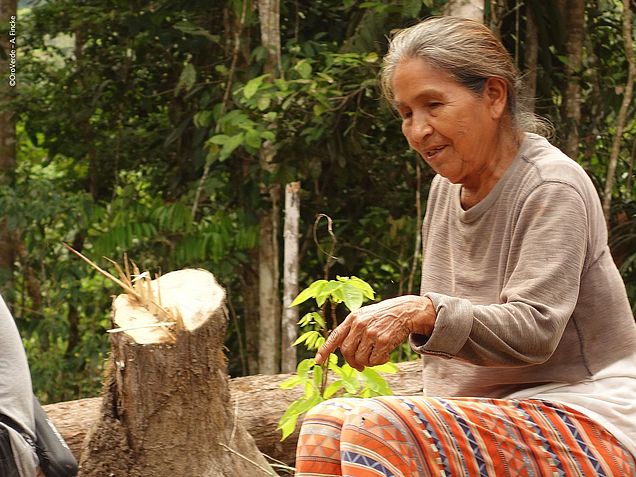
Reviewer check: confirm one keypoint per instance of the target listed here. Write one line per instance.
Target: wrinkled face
(447, 124)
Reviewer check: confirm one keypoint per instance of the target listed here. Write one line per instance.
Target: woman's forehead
(415, 77)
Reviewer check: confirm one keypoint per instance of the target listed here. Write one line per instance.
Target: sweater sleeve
(543, 270)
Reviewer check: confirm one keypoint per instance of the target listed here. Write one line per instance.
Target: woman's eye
(434, 104)
(406, 114)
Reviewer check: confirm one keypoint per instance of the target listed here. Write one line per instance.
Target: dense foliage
(139, 127)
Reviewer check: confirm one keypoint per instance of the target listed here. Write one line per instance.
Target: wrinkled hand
(367, 336)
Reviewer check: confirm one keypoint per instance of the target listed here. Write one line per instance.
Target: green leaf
(303, 367)
(304, 69)
(230, 145)
(332, 389)
(203, 119)
(187, 78)
(351, 384)
(318, 372)
(389, 368)
(191, 29)
(373, 56)
(310, 342)
(287, 426)
(310, 292)
(411, 8)
(306, 319)
(349, 378)
(253, 138)
(219, 139)
(252, 86)
(329, 290)
(307, 337)
(264, 102)
(352, 296)
(320, 321)
(366, 393)
(319, 342)
(287, 422)
(376, 383)
(361, 284)
(291, 382)
(269, 136)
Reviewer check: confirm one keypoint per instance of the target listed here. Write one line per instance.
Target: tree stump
(166, 408)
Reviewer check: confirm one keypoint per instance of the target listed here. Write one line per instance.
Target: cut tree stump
(166, 409)
(258, 401)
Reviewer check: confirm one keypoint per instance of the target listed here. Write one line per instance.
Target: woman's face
(448, 125)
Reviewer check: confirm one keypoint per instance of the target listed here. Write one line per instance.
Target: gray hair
(469, 52)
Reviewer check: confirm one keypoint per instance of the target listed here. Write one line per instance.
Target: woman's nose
(421, 127)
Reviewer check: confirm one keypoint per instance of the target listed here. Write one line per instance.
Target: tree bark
(573, 12)
(290, 277)
(258, 402)
(622, 114)
(166, 408)
(269, 289)
(466, 8)
(531, 59)
(496, 15)
(269, 262)
(251, 317)
(8, 64)
(269, 17)
(416, 264)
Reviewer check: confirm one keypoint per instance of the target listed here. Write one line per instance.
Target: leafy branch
(351, 292)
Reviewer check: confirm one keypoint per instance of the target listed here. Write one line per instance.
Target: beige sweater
(524, 285)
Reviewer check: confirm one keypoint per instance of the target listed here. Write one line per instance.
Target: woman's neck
(504, 152)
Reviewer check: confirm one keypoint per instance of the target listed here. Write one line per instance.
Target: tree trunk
(268, 285)
(573, 12)
(31, 286)
(496, 11)
(622, 114)
(167, 410)
(251, 317)
(269, 262)
(8, 64)
(531, 59)
(416, 263)
(258, 402)
(269, 17)
(290, 277)
(466, 8)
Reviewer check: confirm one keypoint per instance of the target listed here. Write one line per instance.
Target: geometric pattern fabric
(395, 436)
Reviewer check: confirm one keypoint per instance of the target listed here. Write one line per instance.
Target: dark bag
(56, 459)
(8, 467)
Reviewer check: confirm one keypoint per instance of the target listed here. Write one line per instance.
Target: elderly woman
(526, 334)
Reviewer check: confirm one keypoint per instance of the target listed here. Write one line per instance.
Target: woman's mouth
(431, 153)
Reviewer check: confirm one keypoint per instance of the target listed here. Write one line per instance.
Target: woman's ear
(496, 94)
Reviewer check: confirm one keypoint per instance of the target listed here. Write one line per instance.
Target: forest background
(186, 133)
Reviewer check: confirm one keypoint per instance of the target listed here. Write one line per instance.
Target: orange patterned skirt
(418, 436)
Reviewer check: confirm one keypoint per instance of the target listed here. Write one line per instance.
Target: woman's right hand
(367, 336)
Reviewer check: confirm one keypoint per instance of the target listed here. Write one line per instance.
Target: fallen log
(257, 401)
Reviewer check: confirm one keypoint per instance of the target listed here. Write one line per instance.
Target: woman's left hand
(367, 336)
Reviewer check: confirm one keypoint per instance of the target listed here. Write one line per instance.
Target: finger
(378, 356)
(362, 355)
(334, 340)
(349, 348)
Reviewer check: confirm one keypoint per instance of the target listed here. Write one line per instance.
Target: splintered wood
(147, 320)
